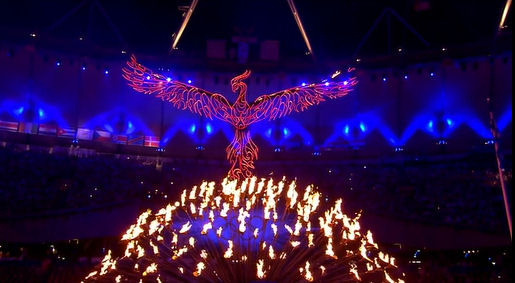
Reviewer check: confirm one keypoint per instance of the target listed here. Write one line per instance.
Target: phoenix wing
(297, 99)
(180, 95)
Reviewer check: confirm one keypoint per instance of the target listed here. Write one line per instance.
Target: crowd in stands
(37, 180)
(462, 192)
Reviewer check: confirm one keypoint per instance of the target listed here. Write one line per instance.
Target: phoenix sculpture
(242, 151)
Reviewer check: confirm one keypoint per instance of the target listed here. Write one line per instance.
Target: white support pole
(301, 27)
(187, 17)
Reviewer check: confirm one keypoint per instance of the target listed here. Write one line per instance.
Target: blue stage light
(303, 84)
(362, 127)
(19, 111)
(209, 129)
(109, 128)
(430, 125)
(168, 79)
(193, 128)
(190, 81)
(346, 129)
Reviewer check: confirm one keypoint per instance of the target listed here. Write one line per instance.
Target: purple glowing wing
(297, 99)
(180, 95)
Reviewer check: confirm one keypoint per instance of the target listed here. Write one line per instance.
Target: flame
(185, 228)
(141, 251)
(292, 195)
(329, 251)
(193, 208)
(192, 193)
(308, 274)
(335, 74)
(153, 227)
(363, 251)
(354, 270)
(234, 207)
(389, 279)
(384, 257)
(310, 240)
(241, 218)
(228, 252)
(298, 226)
(224, 211)
(274, 228)
(370, 267)
(370, 239)
(206, 227)
(211, 216)
(191, 241)
(200, 266)
(288, 228)
(150, 269)
(91, 274)
(271, 253)
(130, 246)
(175, 239)
(260, 272)
(155, 249)
(183, 198)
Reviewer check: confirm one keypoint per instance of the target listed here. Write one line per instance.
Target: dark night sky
(335, 28)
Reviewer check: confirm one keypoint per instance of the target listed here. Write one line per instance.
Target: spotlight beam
(187, 16)
(507, 7)
(301, 27)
